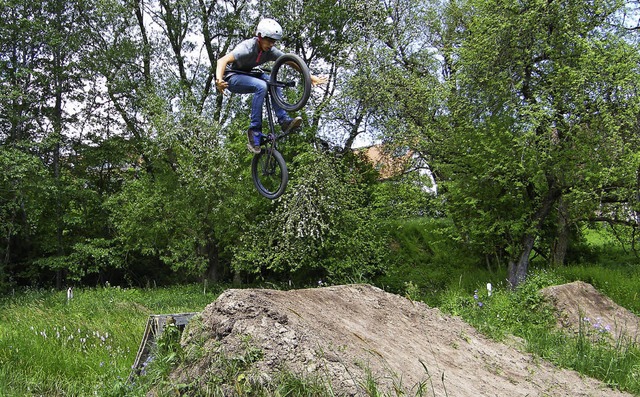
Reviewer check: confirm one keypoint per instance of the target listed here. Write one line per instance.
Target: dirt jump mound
(354, 334)
(580, 306)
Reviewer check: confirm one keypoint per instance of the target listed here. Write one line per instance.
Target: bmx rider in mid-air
(245, 56)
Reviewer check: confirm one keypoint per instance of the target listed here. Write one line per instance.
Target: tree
(321, 229)
(504, 103)
(544, 111)
(24, 190)
(44, 52)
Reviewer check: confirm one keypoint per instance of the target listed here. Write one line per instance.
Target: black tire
(290, 86)
(269, 173)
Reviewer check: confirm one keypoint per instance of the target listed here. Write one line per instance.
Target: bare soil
(348, 334)
(581, 307)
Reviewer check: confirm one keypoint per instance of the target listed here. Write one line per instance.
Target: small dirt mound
(579, 304)
(348, 334)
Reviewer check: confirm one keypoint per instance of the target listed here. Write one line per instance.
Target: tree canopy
(120, 160)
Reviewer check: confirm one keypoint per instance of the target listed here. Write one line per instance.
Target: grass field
(86, 346)
(83, 347)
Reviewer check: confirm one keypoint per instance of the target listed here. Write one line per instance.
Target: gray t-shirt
(248, 55)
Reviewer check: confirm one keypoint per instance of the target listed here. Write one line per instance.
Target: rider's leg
(281, 114)
(243, 84)
(285, 121)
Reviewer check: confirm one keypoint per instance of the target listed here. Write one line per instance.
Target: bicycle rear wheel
(269, 173)
(290, 82)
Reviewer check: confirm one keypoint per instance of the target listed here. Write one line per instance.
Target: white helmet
(269, 28)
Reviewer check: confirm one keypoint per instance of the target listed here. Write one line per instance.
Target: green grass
(87, 347)
(524, 313)
(84, 347)
(427, 262)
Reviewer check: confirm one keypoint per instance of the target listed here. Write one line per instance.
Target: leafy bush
(319, 229)
(423, 251)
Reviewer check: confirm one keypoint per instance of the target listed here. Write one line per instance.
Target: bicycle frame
(268, 167)
(272, 137)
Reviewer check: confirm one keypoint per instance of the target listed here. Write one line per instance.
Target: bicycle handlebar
(252, 72)
(257, 72)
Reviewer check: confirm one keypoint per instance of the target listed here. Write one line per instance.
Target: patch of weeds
(194, 338)
(498, 311)
(235, 375)
(290, 384)
(249, 355)
(593, 352)
(166, 355)
(526, 314)
(370, 385)
(412, 291)
(465, 337)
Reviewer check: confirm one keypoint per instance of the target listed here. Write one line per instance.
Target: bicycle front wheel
(269, 173)
(290, 82)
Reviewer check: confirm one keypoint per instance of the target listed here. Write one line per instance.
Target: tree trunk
(518, 271)
(213, 271)
(559, 248)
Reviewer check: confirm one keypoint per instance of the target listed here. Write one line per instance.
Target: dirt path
(348, 333)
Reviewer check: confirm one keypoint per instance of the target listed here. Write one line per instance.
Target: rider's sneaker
(254, 138)
(291, 124)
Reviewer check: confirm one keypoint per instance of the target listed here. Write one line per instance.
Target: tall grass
(427, 262)
(525, 314)
(52, 347)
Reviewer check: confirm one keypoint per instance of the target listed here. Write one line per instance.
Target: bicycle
(290, 87)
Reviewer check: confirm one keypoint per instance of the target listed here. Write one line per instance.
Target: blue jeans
(244, 84)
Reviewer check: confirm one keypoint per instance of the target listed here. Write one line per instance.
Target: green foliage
(226, 374)
(610, 245)
(405, 198)
(319, 228)
(423, 251)
(320, 25)
(507, 131)
(593, 353)
(90, 257)
(188, 208)
(165, 355)
(51, 346)
(502, 312)
(529, 74)
(24, 189)
(130, 163)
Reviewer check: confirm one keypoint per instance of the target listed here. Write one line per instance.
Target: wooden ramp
(155, 326)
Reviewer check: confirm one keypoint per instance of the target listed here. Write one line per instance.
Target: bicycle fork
(269, 162)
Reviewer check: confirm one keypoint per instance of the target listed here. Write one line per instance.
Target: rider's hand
(317, 80)
(221, 85)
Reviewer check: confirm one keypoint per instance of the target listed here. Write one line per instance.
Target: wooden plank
(156, 324)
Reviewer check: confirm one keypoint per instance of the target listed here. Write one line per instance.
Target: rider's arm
(315, 80)
(221, 65)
